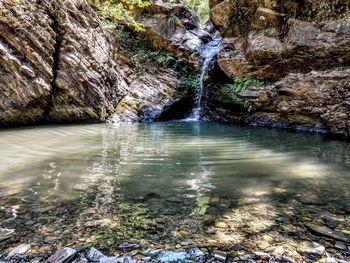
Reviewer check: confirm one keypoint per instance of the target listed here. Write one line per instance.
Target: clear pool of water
(168, 184)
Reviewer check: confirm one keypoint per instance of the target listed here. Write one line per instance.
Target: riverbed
(174, 186)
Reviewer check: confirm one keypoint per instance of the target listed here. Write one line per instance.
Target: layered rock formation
(57, 65)
(174, 28)
(300, 50)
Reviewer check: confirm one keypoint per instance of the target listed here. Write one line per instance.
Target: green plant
(119, 11)
(201, 7)
(143, 52)
(241, 84)
(192, 81)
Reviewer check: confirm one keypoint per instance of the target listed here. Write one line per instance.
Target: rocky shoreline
(132, 253)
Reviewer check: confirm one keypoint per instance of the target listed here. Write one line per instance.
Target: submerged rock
(311, 248)
(327, 232)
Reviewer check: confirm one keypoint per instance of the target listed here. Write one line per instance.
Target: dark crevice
(55, 64)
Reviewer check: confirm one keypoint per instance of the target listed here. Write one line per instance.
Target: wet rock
(5, 234)
(285, 259)
(262, 255)
(347, 208)
(311, 248)
(62, 256)
(127, 245)
(310, 200)
(110, 260)
(94, 254)
(331, 221)
(182, 35)
(340, 245)
(36, 260)
(327, 232)
(208, 220)
(169, 256)
(19, 250)
(237, 247)
(151, 196)
(128, 259)
(245, 257)
(30, 223)
(220, 255)
(328, 260)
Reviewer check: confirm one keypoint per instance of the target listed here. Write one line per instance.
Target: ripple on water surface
(168, 183)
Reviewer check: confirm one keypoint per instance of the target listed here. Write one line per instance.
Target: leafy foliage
(114, 11)
(240, 84)
(201, 7)
(142, 52)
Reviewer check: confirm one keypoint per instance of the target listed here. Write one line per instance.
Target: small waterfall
(207, 52)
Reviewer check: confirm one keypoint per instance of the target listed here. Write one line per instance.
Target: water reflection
(166, 183)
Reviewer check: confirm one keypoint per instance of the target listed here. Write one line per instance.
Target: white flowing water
(208, 53)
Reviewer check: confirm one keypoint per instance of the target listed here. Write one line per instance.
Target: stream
(172, 185)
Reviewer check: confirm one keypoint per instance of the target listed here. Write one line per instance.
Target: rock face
(57, 64)
(174, 28)
(315, 102)
(154, 94)
(300, 52)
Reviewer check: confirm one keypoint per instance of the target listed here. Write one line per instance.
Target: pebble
(94, 254)
(310, 200)
(63, 255)
(325, 231)
(128, 245)
(221, 225)
(262, 255)
(109, 260)
(237, 247)
(220, 255)
(279, 251)
(244, 257)
(19, 250)
(263, 245)
(285, 259)
(311, 248)
(340, 245)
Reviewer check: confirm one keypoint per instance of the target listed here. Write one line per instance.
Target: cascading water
(208, 53)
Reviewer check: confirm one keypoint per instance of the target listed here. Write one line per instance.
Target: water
(167, 183)
(208, 53)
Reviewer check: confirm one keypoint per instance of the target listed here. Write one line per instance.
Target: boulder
(304, 48)
(173, 28)
(55, 63)
(317, 102)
